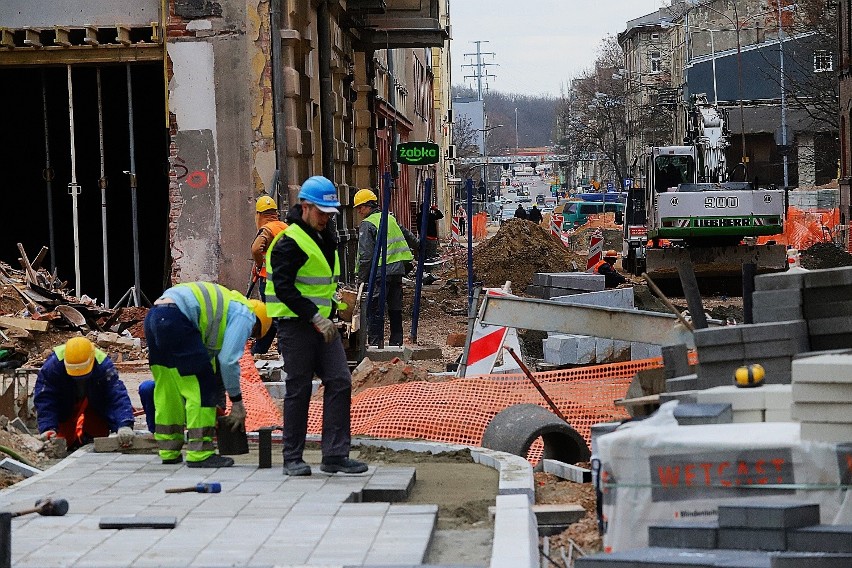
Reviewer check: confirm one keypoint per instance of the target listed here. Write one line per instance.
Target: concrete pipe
(514, 429)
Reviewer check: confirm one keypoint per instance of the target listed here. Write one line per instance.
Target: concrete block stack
(748, 534)
(547, 285)
(822, 395)
(721, 350)
(767, 403)
(822, 297)
(566, 349)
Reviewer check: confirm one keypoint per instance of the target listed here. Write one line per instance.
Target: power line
(480, 68)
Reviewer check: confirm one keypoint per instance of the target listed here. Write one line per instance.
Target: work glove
(125, 436)
(325, 327)
(47, 435)
(237, 416)
(255, 273)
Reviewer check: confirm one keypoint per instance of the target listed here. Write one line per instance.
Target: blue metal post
(469, 189)
(421, 258)
(380, 249)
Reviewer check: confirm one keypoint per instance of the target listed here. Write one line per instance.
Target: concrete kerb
(515, 527)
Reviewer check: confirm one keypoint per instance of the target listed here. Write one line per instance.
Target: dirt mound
(519, 250)
(369, 374)
(825, 255)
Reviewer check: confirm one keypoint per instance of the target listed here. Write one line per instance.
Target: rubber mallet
(212, 487)
(46, 508)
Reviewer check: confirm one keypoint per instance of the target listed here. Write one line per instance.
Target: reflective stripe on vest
(397, 249)
(60, 354)
(213, 302)
(274, 227)
(314, 279)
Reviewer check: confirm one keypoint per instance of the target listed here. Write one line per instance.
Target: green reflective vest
(398, 250)
(315, 280)
(213, 301)
(60, 354)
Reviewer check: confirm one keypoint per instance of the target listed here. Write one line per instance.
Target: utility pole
(480, 72)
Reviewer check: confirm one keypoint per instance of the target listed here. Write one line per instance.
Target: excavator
(689, 211)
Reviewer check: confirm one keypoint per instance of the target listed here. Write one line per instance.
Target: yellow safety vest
(213, 301)
(315, 280)
(397, 248)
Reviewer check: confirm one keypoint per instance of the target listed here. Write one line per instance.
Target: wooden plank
(141, 444)
(36, 263)
(23, 323)
(25, 262)
(650, 399)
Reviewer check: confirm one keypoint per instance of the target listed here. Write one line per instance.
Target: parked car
(539, 199)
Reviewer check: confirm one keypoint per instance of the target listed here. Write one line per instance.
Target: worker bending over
(196, 335)
(607, 268)
(79, 397)
(268, 225)
(399, 261)
(304, 268)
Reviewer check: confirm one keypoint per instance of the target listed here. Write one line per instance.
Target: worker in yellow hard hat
(399, 261)
(79, 397)
(196, 334)
(606, 266)
(268, 226)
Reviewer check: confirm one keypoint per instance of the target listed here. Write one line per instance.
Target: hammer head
(52, 507)
(212, 487)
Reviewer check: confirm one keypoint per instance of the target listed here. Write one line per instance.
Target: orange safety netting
(261, 410)
(458, 411)
(805, 228)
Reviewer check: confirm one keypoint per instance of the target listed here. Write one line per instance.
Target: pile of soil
(584, 533)
(824, 255)
(517, 252)
(371, 374)
(613, 238)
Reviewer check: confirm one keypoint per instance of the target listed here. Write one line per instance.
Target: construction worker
(196, 335)
(78, 396)
(268, 225)
(534, 215)
(520, 212)
(432, 217)
(399, 259)
(607, 268)
(303, 269)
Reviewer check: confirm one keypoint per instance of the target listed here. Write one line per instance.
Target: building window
(823, 61)
(655, 36)
(656, 62)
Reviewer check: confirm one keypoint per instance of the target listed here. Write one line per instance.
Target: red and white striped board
(556, 224)
(454, 237)
(596, 242)
(486, 345)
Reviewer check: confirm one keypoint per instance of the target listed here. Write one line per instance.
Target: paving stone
(830, 326)
(828, 277)
(752, 539)
(837, 413)
(821, 538)
(694, 414)
(763, 314)
(616, 298)
(775, 415)
(684, 383)
(778, 369)
(774, 331)
(768, 515)
(569, 349)
(639, 351)
(389, 485)
(821, 392)
(558, 514)
(773, 348)
(823, 296)
(721, 353)
(777, 397)
(779, 281)
(748, 416)
(725, 335)
(567, 471)
(712, 375)
(817, 310)
(823, 432)
(535, 290)
(418, 352)
(740, 399)
(788, 297)
(810, 560)
(657, 557)
(578, 281)
(823, 369)
(830, 342)
(680, 534)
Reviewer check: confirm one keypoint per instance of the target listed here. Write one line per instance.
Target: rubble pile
(517, 252)
(825, 255)
(369, 374)
(613, 238)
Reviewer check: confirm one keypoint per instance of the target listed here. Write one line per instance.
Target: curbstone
(774, 331)
(815, 310)
(779, 281)
(828, 392)
(825, 412)
(827, 277)
(719, 353)
(823, 369)
(712, 336)
(810, 560)
(768, 515)
(515, 534)
(823, 432)
(821, 538)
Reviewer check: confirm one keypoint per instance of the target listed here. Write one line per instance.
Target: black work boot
(213, 461)
(374, 331)
(395, 317)
(296, 468)
(342, 465)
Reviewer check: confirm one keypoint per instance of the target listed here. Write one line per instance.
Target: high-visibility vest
(397, 248)
(60, 354)
(315, 279)
(274, 227)
(598, 265)
(214, 301)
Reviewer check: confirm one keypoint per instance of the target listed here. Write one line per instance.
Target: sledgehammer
(46, 508)
(213, 487)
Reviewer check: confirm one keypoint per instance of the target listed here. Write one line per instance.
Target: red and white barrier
(454, 237)
(596, 242)
(486, 345)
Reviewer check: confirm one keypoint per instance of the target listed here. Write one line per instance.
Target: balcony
(398, 23)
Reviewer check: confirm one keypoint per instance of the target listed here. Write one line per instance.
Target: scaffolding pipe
(47, 175)
(73, 188)
(102, 182)
(137, 289)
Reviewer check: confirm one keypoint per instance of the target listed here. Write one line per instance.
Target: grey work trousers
(305, 354)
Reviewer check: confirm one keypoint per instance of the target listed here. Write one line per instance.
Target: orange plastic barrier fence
(261, 410)
(458, 411)
(805, 228)
(478, 225)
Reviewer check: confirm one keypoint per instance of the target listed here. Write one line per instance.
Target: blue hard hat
(321, 192)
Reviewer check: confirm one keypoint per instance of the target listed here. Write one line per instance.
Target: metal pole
(384, 252)
(749, 271)
(48, 176)
(740, 91)
(73, 188)
(469, 189)
(713, 50)
(421, 258)
(783, 101)
(102, 182)
(137, 288)
(5, 540)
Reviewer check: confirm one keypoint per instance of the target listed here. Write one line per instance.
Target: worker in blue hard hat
(303, 269)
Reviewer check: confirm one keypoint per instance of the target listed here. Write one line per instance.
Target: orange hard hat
(611, 253)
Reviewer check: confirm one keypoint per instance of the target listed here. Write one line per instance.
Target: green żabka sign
(418, 153)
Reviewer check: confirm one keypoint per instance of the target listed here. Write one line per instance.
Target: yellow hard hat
(259, 309)
(265, 203)
(363, 196)
(749, 376)
(79, 356)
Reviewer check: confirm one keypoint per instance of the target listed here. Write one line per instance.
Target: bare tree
(465, 139)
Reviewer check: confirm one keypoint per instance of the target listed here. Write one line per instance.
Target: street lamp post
(516, 131)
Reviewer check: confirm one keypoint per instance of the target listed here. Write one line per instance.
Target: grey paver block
(768, 514)
(774, 331)
(837, 413)
(828, 277)
(683, 535)
(721, 353)
(567, 471)
(827, 342)
(824, 432)
(829, 392)
(787, 297)
(616, 298)
(763, 314)
(779, 281)
(694, 414)
(821, 538)
(725, 335)
(810, 560)
(657, 557)
(752, 539)
(830, 326)
(827, 295)
(815, 310)
(684, 383)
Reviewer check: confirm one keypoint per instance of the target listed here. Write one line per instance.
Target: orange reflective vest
(598, 265)
(274, 227)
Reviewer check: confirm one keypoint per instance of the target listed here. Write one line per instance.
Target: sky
(539, 45)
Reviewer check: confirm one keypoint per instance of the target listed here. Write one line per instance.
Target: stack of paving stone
(547, 285)
(722, 350)
(748, 534)
(822, 395)
(767, 403)
(822, 297)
